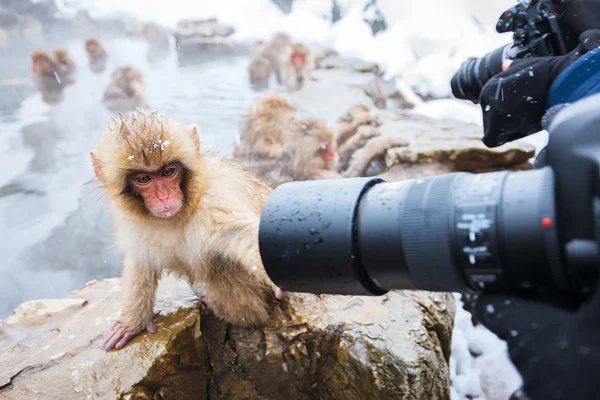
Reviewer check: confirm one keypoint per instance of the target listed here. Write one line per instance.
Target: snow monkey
(262, 129)
(65, 67)
(125, 91)
(45, 77)
(96, 54)
(296, 65)
(180, 210)
(259, 71)
(309, 151)
(272, 51)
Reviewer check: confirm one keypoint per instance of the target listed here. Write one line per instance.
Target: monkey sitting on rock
(180, 210)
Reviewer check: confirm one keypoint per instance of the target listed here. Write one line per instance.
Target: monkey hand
(368, 132)
(120, 334)
(278, 293)
(380, 144)
(375, 147)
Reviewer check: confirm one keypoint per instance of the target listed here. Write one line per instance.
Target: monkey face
(327, 153)
(298, 59)
(92, 49)
(160, 190)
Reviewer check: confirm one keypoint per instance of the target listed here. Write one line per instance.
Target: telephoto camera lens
(458, 232)
(474, 73)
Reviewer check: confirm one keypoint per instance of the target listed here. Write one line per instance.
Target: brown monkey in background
(259, 71)
(65, 67)
(179, 210)
(125, 91)
(46, 79)
(273, 51)
(97, 55)
(296, 64)
(263, 126)
(309, 151)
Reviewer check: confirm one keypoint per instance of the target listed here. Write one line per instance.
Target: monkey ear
(96, 164)
(195, 137)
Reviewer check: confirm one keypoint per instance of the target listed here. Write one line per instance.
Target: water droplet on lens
(307, 246)
(313, 231)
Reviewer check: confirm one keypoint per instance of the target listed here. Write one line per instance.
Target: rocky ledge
(327, 347)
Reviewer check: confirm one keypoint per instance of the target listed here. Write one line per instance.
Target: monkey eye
(143, 179)
(168, 171)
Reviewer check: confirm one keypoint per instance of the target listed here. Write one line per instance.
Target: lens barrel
(474, 73)
(458, 232)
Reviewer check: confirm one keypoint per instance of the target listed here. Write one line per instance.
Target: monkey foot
(119, 336)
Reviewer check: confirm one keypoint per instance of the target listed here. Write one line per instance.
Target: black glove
(514, 101)
(557, 352)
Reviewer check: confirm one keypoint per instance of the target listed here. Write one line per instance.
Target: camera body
(529, 233)
(539, 30)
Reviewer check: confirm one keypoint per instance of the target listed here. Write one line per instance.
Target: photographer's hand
(557, 352)
(514, 101)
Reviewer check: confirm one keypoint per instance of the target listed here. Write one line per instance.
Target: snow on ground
(479, 366)
(425, 43)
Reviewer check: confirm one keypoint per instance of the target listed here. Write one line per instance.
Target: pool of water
(55, 228)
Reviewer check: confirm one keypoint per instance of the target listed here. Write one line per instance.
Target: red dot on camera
(546, 221)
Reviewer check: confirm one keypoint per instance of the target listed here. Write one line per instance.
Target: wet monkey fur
(179, 210)
(263, 127)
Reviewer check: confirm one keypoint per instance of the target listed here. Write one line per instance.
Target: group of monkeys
(290, 62)
(53, 71)
(277, 146)
(177, 209)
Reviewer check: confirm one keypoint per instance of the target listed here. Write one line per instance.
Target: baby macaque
(263, 127)
(309, 151)
(296, 65)
(177, 209)
(259, 71)
(96, 54)
(125, 90)
(65, 67)
(45, 77)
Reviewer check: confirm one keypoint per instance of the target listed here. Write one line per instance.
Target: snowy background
(424, 44)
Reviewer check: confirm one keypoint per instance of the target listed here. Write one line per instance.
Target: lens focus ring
(425, 227)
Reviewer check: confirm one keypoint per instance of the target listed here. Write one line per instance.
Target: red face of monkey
(160, 190)
(327, 153)
(298, 59)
